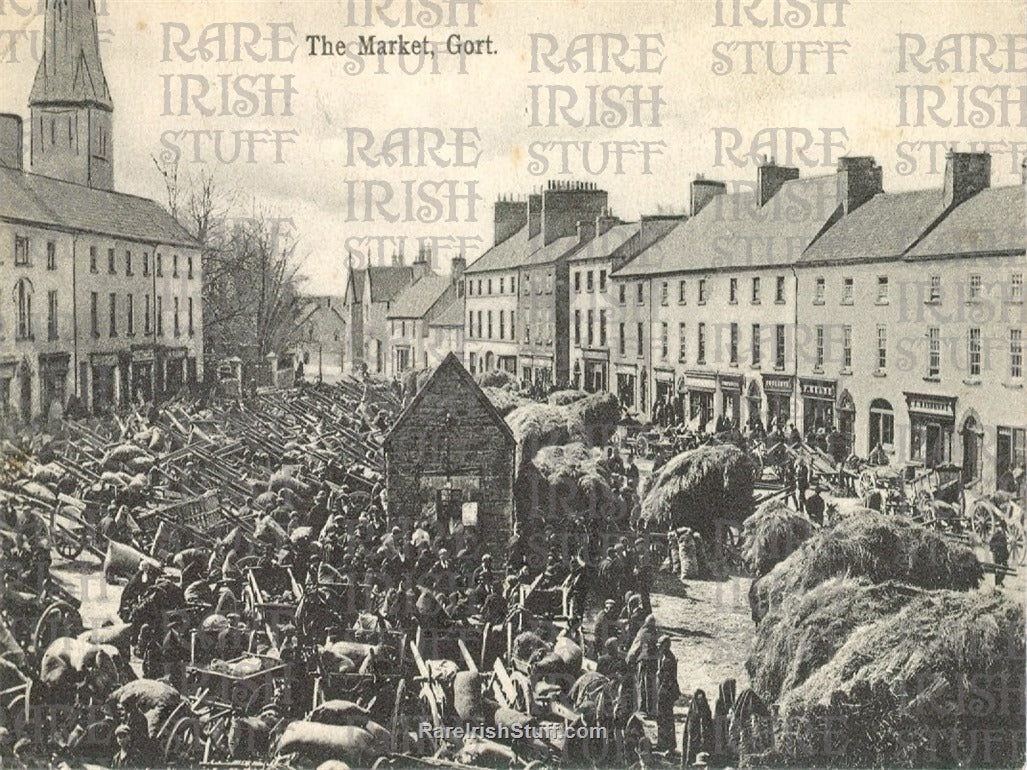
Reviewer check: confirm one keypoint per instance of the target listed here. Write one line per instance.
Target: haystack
(497, 378)
(939, 683)
(874, 546)
(771, 534)
(565, 397)
(505, 401)
(536, 426)
(594, 418)
(806, 631)
(700, 489)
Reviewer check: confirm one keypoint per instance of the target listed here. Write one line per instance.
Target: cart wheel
(68, 546)
(261, 697)
(1015, 538)
(183, 741)
(981, 520)
(57, 620)
(867, 482)
(642, 447)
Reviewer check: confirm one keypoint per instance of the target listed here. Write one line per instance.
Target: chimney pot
(966, 174)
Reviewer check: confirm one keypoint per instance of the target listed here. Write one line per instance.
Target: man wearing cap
(667, 693)
(605, 626)
(815, 506)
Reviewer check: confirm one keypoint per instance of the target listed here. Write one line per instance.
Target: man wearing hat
(815, 506)
(605, 625)
(667, 693)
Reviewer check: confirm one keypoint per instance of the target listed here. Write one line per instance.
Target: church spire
(70, 71)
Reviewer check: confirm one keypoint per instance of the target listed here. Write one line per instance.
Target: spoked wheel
(982, 520)
(67, 545)
(642, 447)
(867, 481)
(57, 620)
(183, 742)
(1015, 536)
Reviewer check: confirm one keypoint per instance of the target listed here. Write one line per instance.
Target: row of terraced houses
(820, 302)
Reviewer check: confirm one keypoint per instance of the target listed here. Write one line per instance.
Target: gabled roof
(991, 222)
(556, 250)
(419, 297)
(41, 200)
(508, 255)
(451, 364)
(387, 281)
(607, 243)
(882, 228)
(451, 315)
(732, 231)
(313, 305)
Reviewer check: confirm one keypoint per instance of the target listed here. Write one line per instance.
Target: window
(146, 263)
(682, 292)
(818, 291)
(702, 291)
(664, 340)
(112, 321)
(974, 352)
(1016, 353)
(189, 267)
(933, 351)
(1010, 456)
(174, 266)
(128, 263)
(590, 327)
(94, 314)
(732, 291)
(513, 326)
(847, 348)
(489, 284)
(160, 264)
(160, 316)
(92, 260)
(602, 280)
(502, 322)
(513, 284)
(526, 285)
(602, 328)
(664, 293)
(882, 348)
(470, 321)
(882, 424)
(479, 287)
(847, 291)
(130, 321)
(577, 281)
(479, 335)
(23, 300)
(502, 284)
(589, 285)
(621, 341)
(779, 289)
(975, 287)
(488, 323)
(175, 318)
(51, 314)
(755, 291)
(819, 362)
(190, 317)
(934, 292)
(733, 345)
(549, 283)
(111, 267)
(640, 339)
(882, 289)
(577, 327)
(147, 326)
(1016, 287)
(700, 347)
(755, 344)
(682, 343)
(622, 292)
(779, 346)
(21, 250)
(639, 288)
(51, 255)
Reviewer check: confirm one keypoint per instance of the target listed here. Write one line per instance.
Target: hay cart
(271, 596)
(1003, 509)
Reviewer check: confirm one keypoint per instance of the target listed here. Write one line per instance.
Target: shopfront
(818, 404)
(778, 389)
(731, 398)
(106, 387)
(8, 373)
(753, 404)
(175, 366)
(142, 374)
(597, 372)
(53, 379)
(626, 388)
(702, 388)
(847, 420)
(932, 421)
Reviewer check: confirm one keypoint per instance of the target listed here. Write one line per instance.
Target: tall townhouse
(715, 300)
(92, 310)
(913, 313)
(412, 344)
(594, 314)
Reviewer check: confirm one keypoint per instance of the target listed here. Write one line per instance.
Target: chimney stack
(510, 216)
(604, 222)
(770, 178)
(966, 174)
(534, 214)
(859, 180)
(586, 230)
(10, 142)
(456, 270)
(564, 204)
(397, 255)
(422, 265)
(702, 192)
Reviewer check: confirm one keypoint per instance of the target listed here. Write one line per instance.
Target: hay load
(806, 632)
(535, 426)
(877, 547)
(940, 683)
(499, 379)
(594, 418)
(697, 489)
(565, 397)
(505, 401)
(770, 536)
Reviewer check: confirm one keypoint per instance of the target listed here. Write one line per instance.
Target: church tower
(71, 106)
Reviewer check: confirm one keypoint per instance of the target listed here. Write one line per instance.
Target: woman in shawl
(698, 735)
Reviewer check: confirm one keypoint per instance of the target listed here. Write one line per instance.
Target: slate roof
(607, 243)
(508, 255)
(419, 297)
(387, 281)
(732, 232)
(544, 255)
(883, 227)
(452, 315)
(41, 200)
(991, 222)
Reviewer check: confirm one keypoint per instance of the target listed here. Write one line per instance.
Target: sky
(853, 85)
